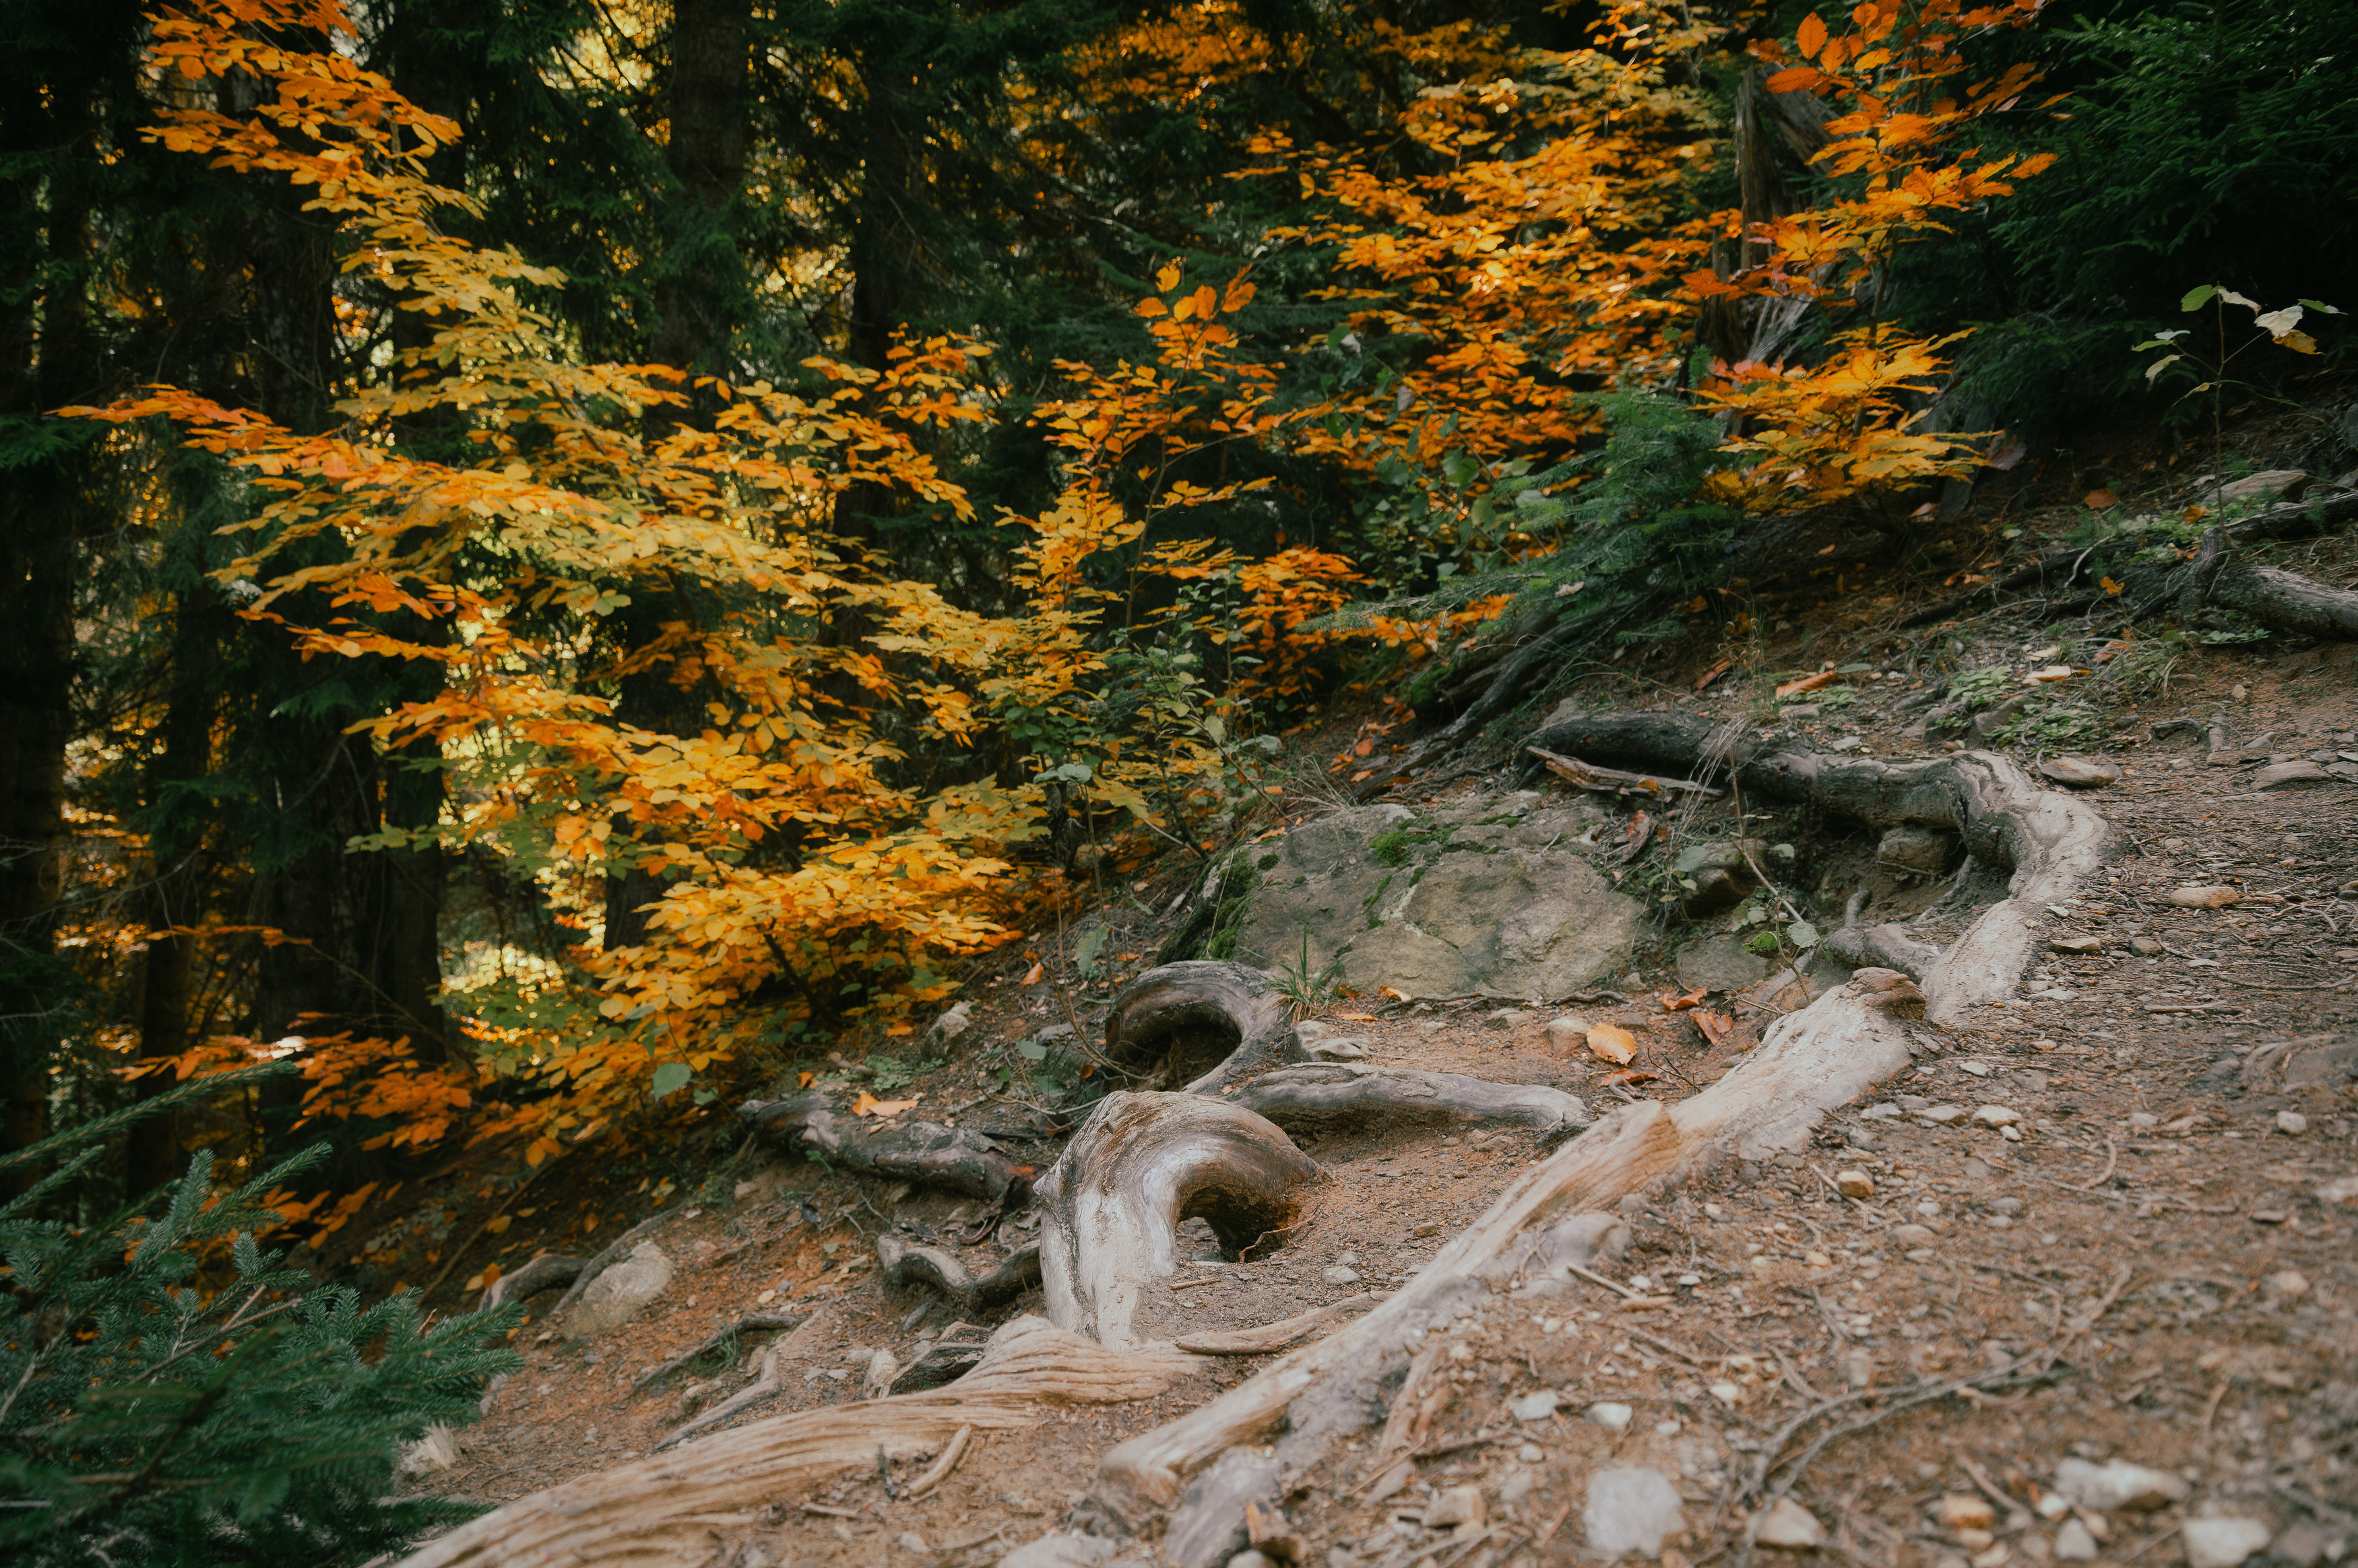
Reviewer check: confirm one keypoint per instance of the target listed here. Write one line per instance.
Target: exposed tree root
(915, 1151)
(1345, 1094)
(1274, 1336)
(1139, 1165)
(1197, 1025)
(752, 1323)
(679, 1508)
(544, 1272)
(909, 1262)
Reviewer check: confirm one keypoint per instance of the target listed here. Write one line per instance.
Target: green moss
(1267, 862)
(1390, 849)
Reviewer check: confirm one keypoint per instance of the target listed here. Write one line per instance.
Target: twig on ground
(767, 1387)
(939, 1470)
(752, 1323)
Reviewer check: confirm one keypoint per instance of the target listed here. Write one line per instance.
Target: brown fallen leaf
(1354, 1017)
(1715, 1026)
(1389, 993)
(868, 1105)
(1713, 673)
(1032, 976)
(2100, 499)
(1808, 683)
(1680, 1004)
(1611, 1042)
(1630, 1076)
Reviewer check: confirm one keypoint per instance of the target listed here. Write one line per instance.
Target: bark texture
(917, 1151)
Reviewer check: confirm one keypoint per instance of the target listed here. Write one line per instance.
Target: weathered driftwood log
(692, 1505)
(1111, 1204)
(544, 1272)
(924, 1152)
(2049, 840)
(1326, 1094)
(906, 1263)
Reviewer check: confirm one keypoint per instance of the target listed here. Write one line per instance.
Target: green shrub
(170, 1393)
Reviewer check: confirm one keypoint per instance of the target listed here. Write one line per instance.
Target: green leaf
(2197, 298)
(1802, 934)
(2321, 305)
(1031, 1050)
(671, 1078)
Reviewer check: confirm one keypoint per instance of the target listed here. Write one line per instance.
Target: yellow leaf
(868, 1105)
(1811, 37)
(1168, 278)
(500, 1225)
(1611, 1042)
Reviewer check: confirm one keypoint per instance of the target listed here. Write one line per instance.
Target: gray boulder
(1492, 896)
(615, 1297)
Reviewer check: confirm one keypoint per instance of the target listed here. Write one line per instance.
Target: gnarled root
(1139, 1165)
(685, 1506)
(1197, 1025)
(544, 1272)
(913, 1263)
(924, 1152)
(1342, 1094)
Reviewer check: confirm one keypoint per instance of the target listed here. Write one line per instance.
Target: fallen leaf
(2048, 672)
(1629, 1075)
(1363, 776)
(499, 1227)
(1807, 683)
(1611, 1042)
(2100, 499)
(1128, 957)
(806, 1079)
(1389, 993)
(1680, 1004)
(1031, 977)
(1715, 1026)
(1355, 1018)
(1713, 673)
(868, 1105)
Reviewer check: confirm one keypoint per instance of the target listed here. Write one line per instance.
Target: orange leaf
(868, 1105)
(1713, 673)
(1032, 976)
(1680, 1004)
(1611, 1042)
(1355, 1017)
(1807, 683)
(1715, 1026)
(2097, 500)
(1810, 36)
(1629, 1075)
(1394, 995)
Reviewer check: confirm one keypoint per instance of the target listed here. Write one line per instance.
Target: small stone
(912, 1542)
(1964, 1510)
(2291, 1123)
(1787, 1524)
(2279, 774)
(2146, 946)
(2078, 773)
(1606, 1414)
(1996, 1116)
(2287, 483)
(2118, 1484)
(1943, 1115)
(1517, 1486)
(1455, 1508)
(1339, 1275)
(2204, 897)
(2289, 1283)
(616, 1296)
(2223, 1542)
(1630, 1509)
(2340, 1190)
(1060, 1550)
(1252, 1557)
(1530, 1453)
(1912, 1235)
(2073, 1543)
(1854, 1184)
(954, 1022)
(1727, 1394)
(1535, 1407)
(1568, 1036)
(2076, 944)
(2302, 1545)
(1993, 1558)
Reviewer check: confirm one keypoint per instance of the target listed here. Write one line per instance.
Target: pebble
(2204, 897)
(1787, 1524)
(2145, 947)
(912, 1542)
(1613, 1417)
(1860, 1184)
(1536, 1407)
(1964, 1511)
(1728, 1394)
(1943, 1115)
(2223, 1542)
(1912, 1235)
(2282, 774)
(1339, 1275)
(2076, 773)
(2291, 1123)
(1630, 1509)
(2289, 1283)
(1455, 1507)
(2076, 944)
(1997, 1116)
(1530, 1453)
(2117, 1484)
(2073, 1543)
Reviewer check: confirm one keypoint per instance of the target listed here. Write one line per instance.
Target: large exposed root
(1112, 1202)
(682, 1506)
(1345, 1094)
(1197, 1025)
(924, 1152)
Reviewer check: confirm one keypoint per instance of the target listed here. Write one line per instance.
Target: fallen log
(1112, 1202)
(695, 1504)
(925, 1152)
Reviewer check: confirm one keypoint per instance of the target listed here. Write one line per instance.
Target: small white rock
(1339, 1275)
(1537, 1406)
(2119, 1485)
(1727, 1393)
(2291, 1123)
(1787, 1524)
(1630, 1509)
(1996, 1116)
(1606, 1414)
(1530, 1453)
(2223, 1542)
(913, 1543)
(2289, 1283)
(2073, 1543)
(1942, 1115)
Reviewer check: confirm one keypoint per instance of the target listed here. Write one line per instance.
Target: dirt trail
(2153, 1236)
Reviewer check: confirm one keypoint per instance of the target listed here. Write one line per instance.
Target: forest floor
(2164, 1238)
